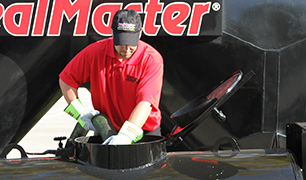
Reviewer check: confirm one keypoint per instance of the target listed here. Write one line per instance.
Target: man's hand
(85, 119)
(128, 134)
(77, 111)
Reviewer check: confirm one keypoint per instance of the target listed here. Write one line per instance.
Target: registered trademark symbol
(216, 6)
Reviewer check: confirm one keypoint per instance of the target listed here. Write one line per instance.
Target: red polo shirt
(117, 87)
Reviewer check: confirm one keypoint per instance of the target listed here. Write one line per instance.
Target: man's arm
(140, 113)
(75, 107)
(69, 92)
(131, 130)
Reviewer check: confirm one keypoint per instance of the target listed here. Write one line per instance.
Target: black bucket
(152, 149)
(148, 151)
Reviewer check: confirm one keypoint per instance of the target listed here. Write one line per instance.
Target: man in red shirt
(125, 76)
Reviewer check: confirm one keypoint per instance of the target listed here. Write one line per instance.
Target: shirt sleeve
(77, 70)
(150, 85)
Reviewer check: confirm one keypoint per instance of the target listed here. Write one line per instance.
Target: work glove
(78, 112)
(128, 134)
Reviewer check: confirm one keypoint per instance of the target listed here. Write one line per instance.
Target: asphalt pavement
(54, 123)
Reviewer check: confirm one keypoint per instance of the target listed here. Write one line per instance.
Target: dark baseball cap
(126, 27)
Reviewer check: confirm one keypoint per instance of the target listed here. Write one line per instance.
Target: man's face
(125, 51)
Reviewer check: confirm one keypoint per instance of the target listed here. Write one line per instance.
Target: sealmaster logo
(46, 17)
(126, 27)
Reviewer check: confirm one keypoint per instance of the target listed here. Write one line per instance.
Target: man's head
(126, 27)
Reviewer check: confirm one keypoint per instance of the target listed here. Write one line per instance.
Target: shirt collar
(110, 48)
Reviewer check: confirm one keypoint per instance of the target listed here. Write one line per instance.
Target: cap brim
(126, 38)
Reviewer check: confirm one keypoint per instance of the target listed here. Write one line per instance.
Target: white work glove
(78, 112)
(85, 119)
(128, 134)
